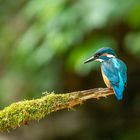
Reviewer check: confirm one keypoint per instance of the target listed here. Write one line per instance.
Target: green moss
(24, 111)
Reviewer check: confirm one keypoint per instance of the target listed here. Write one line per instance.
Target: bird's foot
(103, 95)
(99, 94)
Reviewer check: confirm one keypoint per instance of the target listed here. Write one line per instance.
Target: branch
(24, 111)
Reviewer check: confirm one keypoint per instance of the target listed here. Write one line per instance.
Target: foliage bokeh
(43, 45)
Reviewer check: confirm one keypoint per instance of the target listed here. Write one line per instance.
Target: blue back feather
(115, 70)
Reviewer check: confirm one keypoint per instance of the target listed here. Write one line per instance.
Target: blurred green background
(43, 44)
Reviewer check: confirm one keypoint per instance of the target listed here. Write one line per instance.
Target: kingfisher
(114, 70)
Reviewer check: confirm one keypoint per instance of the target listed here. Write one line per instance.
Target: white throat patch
(100, 60)
(110, 55)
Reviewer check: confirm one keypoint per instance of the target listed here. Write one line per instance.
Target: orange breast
(106, 80)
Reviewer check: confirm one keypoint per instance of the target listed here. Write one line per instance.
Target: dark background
(43, 44)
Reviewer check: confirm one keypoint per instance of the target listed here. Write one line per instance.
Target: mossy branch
(24, 111)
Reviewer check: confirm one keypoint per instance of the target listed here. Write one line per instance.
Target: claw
(104, 96)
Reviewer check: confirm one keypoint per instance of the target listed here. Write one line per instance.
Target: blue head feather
(106, 50)
(102, 54)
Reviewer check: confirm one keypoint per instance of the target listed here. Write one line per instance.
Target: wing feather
(116, 72)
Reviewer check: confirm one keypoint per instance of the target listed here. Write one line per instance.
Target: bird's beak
(90, 59)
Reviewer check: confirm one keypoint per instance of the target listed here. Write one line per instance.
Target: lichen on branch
(22, 112)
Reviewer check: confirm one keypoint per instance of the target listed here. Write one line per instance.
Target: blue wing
(115, 70)
(122, 69)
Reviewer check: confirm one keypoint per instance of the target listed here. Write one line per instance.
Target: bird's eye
(97, 55)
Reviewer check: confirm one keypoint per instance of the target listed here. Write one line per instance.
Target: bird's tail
(118, 93)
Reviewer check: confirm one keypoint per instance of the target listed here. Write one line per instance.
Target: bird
(114, 70)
